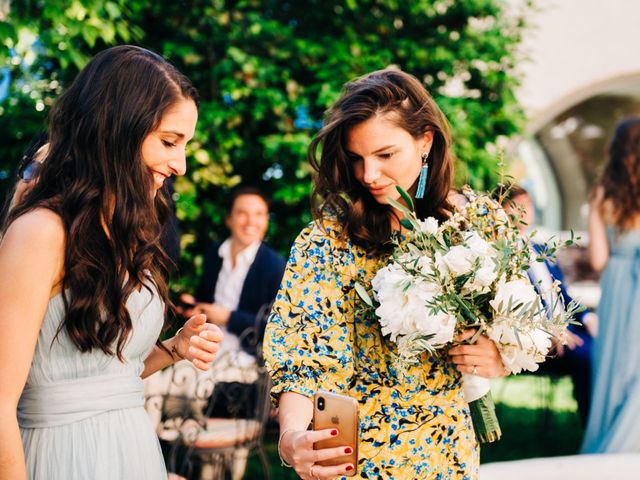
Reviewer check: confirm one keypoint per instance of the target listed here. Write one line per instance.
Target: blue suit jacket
(576, 362)
(259, 288)
(556, 273)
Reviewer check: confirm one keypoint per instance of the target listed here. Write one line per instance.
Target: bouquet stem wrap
(477, 393)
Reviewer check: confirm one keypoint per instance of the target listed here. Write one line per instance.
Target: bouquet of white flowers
(468, 272)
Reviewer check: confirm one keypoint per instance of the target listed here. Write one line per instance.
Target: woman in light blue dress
(82, 290)
(614, 231)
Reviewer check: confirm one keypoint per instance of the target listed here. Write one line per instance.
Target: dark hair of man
(509, 192)
(621, 176)
(246, 190)
(94, 178)
(29, 156)
(403, 99)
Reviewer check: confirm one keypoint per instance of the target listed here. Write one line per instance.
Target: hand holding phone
(331, 410)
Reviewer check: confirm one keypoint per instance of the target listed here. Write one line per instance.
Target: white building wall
(575, 47)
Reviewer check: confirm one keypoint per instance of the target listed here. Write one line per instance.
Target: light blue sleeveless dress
(82, 415)
(614, 421)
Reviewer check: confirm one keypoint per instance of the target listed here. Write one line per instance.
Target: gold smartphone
(331, 410)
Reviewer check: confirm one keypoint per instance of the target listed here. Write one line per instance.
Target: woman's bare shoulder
(40, 226)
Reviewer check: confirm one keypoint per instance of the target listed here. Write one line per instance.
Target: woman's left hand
(480, 358)
(198, 341)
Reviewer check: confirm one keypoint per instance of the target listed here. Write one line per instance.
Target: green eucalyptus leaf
(362, 293)
(407, 198)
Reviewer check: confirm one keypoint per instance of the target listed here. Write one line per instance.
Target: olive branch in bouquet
(469, 271)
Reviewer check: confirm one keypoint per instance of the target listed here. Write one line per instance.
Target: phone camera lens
(320, 403)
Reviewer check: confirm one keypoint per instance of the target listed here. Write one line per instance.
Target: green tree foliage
(43, 44)
(266, 71)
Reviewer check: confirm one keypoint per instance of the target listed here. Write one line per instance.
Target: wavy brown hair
(336, 190)
(94, 178)
(621, 176)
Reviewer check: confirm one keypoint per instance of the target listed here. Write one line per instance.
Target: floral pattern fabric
(413, 425)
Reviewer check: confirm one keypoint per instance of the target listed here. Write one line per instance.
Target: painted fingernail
(334, 432)
(349, 467)
(348, 450)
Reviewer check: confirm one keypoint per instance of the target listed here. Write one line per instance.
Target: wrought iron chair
(199, 446)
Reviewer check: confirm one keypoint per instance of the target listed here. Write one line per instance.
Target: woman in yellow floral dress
(381, 133)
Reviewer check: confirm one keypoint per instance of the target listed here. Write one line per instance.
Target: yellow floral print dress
(414, 425)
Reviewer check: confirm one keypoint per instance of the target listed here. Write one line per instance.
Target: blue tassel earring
(424, 175)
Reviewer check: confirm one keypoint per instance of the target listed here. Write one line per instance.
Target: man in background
(574, 358)
(241, 275)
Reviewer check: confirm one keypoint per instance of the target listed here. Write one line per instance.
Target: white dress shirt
(231, 278)
(229, 287)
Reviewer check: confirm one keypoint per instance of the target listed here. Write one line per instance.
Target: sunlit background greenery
(266, 71)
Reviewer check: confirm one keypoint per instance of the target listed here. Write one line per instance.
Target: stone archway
(566, 144)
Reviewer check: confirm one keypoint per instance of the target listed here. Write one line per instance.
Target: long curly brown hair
(338, 193)
(621, 176)
(94, 178)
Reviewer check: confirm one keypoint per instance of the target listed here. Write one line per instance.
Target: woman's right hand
(296, 449)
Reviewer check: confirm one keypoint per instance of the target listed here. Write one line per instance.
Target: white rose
(458, 260)
(483, 278)
(478, 246)
(486, 274)
(426, 266)
(429, 226)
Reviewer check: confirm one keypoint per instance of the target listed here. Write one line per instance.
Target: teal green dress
(82, 415)
(614, 422)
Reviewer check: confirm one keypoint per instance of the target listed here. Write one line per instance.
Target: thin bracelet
(284, 464)
(174, 350)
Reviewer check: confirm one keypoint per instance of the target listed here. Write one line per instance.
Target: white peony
(404, 306)
(390, 287)
(441, 325)
(518, 291)
(523, 351)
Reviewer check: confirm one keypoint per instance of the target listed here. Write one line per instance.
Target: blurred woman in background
(614, 247)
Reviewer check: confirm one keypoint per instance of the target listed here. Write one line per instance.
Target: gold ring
(475, 370)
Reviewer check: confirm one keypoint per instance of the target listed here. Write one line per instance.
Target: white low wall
(579, 467)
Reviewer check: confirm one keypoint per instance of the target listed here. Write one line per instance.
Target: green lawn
(529, 428)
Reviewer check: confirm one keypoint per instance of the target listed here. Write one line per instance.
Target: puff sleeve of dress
(308, 344)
